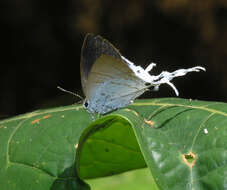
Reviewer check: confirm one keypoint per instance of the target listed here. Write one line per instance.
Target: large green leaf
(183, 143)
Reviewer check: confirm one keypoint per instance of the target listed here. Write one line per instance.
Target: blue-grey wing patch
(112, 85)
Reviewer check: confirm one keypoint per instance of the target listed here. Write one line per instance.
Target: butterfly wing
(111, 85)
(93, 47)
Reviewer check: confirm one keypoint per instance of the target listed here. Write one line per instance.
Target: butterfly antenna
(74, 94)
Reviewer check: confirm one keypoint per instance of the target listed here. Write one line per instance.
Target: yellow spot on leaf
(1, 126)
(149, 122)
(35, 121)
(135, 113)
(76, 146)
(189, 159)
(46, 116)
(78, 108)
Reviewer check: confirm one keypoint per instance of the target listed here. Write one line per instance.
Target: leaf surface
(38, 149)
(182, 142)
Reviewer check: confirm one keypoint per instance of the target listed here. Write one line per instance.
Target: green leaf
(172, 135)
(109, 147)
(38, 151)
(139, 179)
(180, 154)
(56, 148)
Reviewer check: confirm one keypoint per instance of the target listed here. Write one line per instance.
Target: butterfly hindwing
(112, 85)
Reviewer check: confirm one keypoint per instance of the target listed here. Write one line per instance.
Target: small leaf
(109, 147)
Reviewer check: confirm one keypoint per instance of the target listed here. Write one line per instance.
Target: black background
(41, 42)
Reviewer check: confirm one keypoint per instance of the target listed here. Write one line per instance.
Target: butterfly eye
(85, 104)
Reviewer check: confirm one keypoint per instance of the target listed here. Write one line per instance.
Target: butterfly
(110, 81)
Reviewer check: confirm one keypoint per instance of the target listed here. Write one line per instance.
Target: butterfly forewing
(93, 47)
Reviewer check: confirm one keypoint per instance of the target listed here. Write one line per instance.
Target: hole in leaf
(189, 159)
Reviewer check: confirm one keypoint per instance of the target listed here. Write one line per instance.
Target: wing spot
(147, 84)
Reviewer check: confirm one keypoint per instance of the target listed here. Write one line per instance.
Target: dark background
(41, 41)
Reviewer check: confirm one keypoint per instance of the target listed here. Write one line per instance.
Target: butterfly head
(87, 106)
